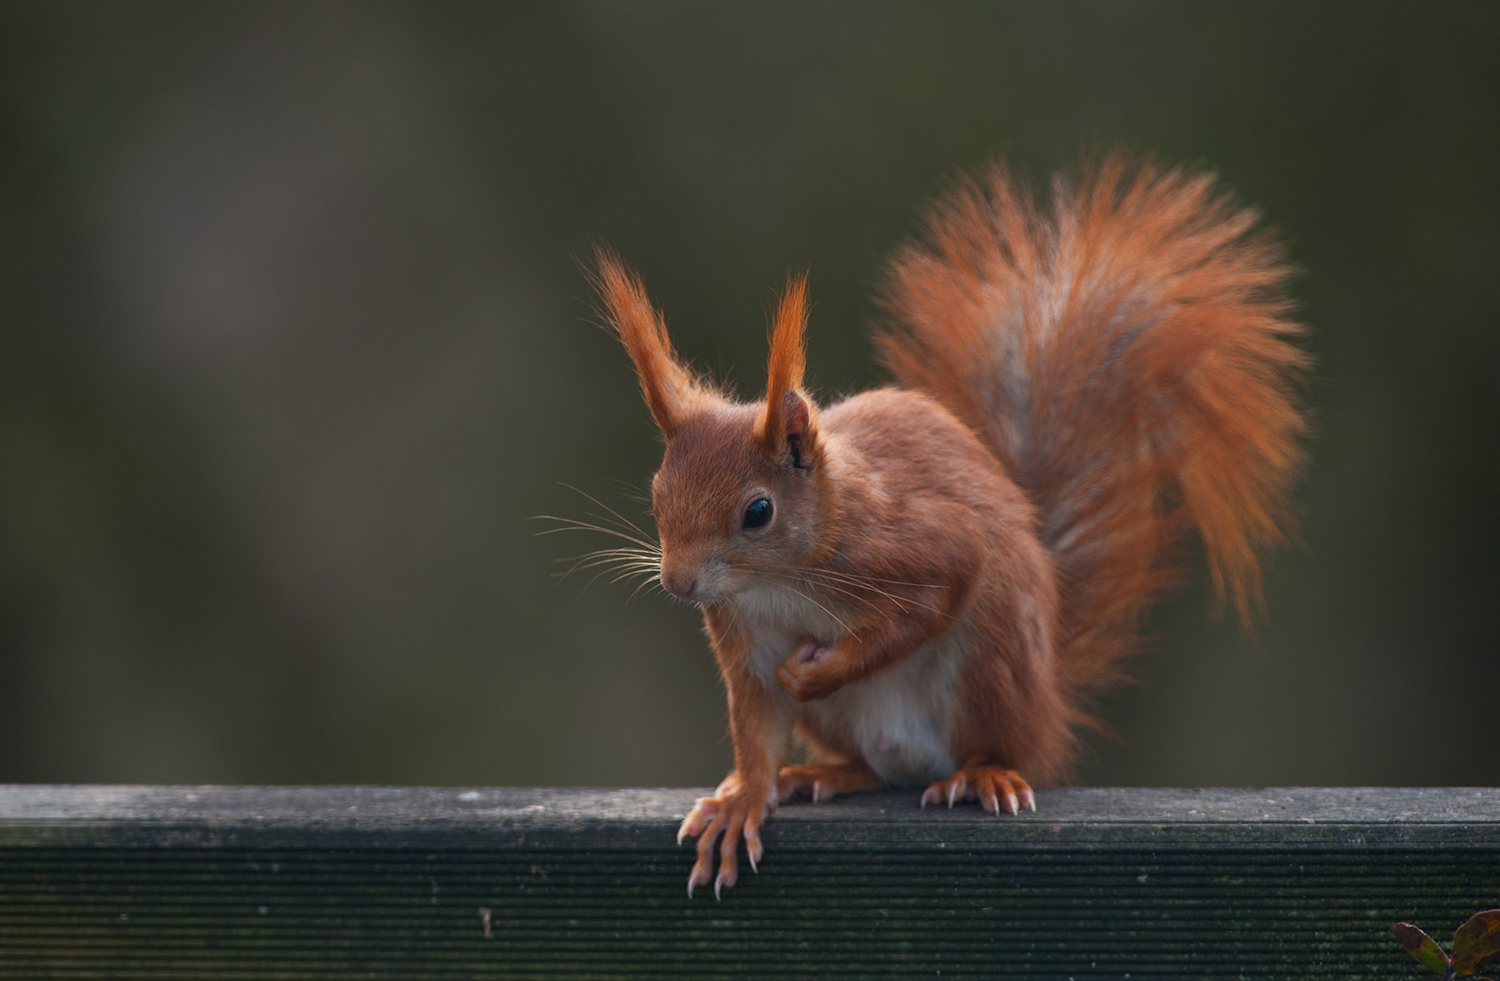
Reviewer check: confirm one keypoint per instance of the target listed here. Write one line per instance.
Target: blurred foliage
(1475, 945)
(293, 340)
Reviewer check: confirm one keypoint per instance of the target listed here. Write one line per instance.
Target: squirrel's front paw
(736, 811)
(806, 675)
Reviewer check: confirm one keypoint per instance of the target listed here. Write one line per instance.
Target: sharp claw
(753, 850)
(969, 783)
(693, 824)
(696, 879)
(718, 883)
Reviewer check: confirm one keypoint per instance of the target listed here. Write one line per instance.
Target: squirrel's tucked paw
(823, 782)
(733, 815)
(990, 785)
(806, 675)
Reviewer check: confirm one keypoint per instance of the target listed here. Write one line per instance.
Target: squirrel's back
(1124, 349)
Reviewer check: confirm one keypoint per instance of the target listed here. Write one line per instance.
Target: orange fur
(1125, 354)
(787, 362)
(940, 577)
(672, 392)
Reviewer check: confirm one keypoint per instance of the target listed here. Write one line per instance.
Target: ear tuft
(786, 418)
(670, 389)
(788, 360)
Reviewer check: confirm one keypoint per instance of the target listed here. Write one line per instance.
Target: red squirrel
(927, 584)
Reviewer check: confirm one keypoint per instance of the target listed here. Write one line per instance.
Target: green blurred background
(293, 341)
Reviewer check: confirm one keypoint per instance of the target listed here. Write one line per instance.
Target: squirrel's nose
(679, 583)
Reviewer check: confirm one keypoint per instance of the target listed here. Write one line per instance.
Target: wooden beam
(334, 882)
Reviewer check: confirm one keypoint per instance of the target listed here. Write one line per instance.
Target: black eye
(758, 513)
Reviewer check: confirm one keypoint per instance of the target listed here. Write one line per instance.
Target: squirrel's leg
(824, 781)
(988, 783)
(761, 732)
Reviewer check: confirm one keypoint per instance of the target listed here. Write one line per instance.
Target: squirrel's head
(742, 492)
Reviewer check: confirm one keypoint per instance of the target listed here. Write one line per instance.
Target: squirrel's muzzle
(679, 582)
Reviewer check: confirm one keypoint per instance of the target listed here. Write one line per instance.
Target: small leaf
(1476, 943)
(1422, 947)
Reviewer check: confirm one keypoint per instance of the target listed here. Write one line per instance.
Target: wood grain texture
(343, 882)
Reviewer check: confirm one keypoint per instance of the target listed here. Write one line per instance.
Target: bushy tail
(1124, 349)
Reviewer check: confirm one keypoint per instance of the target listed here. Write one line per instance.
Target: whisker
(618, 516)
(628, 576)
(859, 579)
(825, 585)
(633, 492)
(820, 606)
(613, 558)
(649, 581)
(901, 602)
(615, 520)
(617, 571)
(618, 560)
(829, 577)
(623, 553)
(602, 570)
(639, 558)
(622, 526)
(611, 562)
(605, 571)
(856, 577)
(851, 594)
(573, 524)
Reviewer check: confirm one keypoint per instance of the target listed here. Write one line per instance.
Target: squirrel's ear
(670, 389)
(786, 420)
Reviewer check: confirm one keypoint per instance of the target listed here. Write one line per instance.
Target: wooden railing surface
(375, 882)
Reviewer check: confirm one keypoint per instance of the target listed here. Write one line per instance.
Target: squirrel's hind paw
(992, 786)
(824, 781)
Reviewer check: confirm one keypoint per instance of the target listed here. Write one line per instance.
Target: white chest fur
(898, 718)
